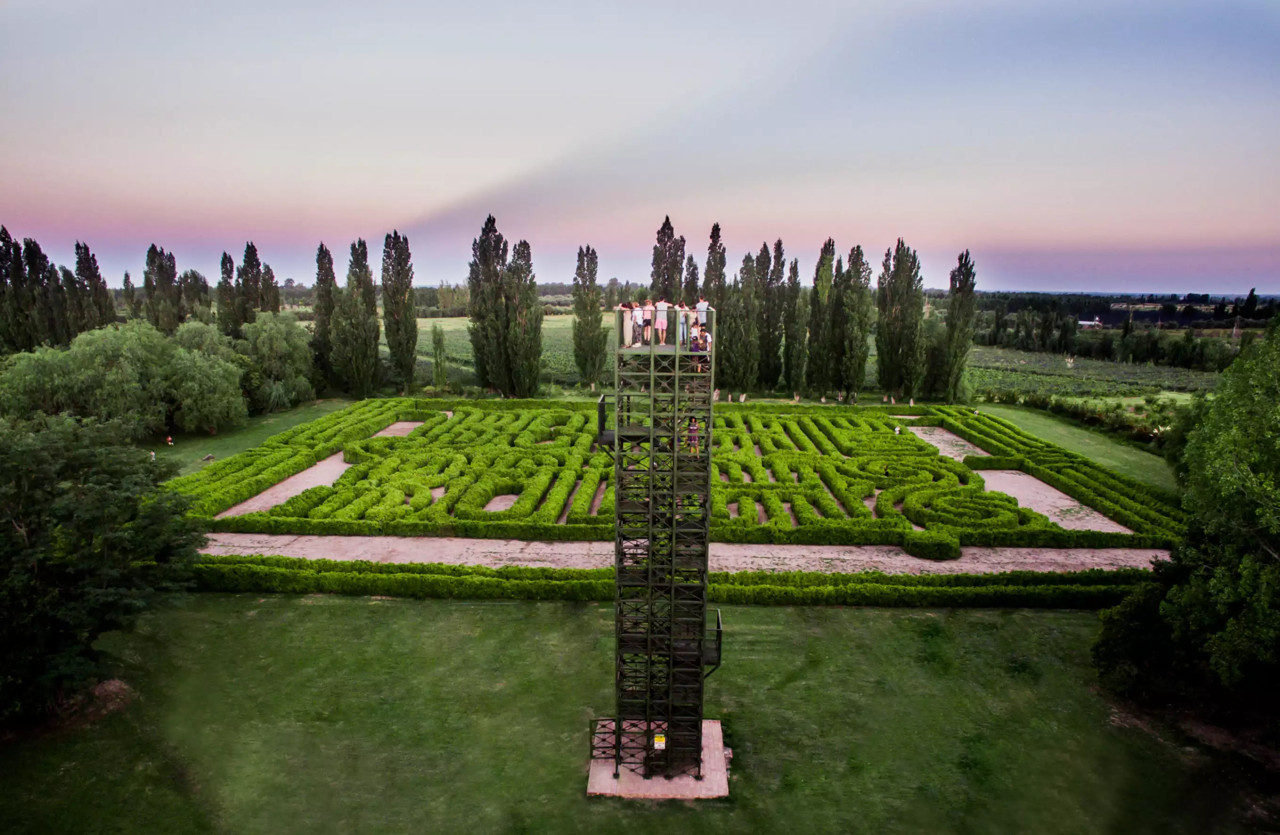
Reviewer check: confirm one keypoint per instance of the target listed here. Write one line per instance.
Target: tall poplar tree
(249, 285)
(691, 288)
(486, 305)
(748, 285)
(961, 311)
(900, 345)
(794, 327)
(506, 315)
(772, 300)
(713, 277)
(399, 313)
(132, 304)
(164, 297)
(668, 263)
(590, 337)
(818, 371)
(855, 329)
(326, 286)
(100, 309)
(524, 323)
(8, 339)
(354, 332)
(228, 307)
(269, 292)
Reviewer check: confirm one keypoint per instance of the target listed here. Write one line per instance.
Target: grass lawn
(1135, 463)
(188, 450)
(331, 714)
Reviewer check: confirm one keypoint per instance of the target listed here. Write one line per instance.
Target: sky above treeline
(1075, 145)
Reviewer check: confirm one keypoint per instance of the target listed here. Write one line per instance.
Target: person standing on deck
(660, 320)
(625, 307)
(637, 324)
(648, 321)
(682, 320)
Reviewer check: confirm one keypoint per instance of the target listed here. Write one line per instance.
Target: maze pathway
(724, 556)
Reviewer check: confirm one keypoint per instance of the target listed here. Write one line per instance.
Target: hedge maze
(814, 475)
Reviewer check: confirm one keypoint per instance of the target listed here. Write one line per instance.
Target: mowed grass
(188, 451)
(1135, 463)
(331, 714)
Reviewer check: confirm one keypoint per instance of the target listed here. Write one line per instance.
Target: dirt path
(948, 443)
(398, 429)
(724, 556)
(1058, 506)
(324, 473)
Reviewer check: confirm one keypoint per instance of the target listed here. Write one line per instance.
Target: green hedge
(1086, 589)
(796, 474)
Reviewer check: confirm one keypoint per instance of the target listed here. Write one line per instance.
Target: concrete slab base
(714, 782)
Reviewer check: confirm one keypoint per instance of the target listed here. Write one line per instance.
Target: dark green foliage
(163, 295)
(506, 316)
(132, 375)
(668, 263)
(100, 309)
(84, 538)
(354, 354)
(326, 286)
(1215, 612)
(961, 311)
(772, 293)
(851, 329)
(818, 370)
(931, 545)
(691, 288)
(524, 324)
(132, 304)
(229, 320)
(794, 326)
(439, 367)
(248, 285)
(590, 337)
(486, 304)
(278, 351)
(713, 277)
(269, 293)
(900, 344)
(399, 312)
(737, 335)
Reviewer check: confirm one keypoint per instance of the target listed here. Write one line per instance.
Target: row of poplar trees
(44, 304)
(347, 330)
(772, 333)
(505, 313)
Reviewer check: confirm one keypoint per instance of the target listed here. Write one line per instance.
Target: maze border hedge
(1093, 589)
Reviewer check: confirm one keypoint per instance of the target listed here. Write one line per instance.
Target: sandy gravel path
(325, 472)
(1058, 506)
(398, 429)
(724, 556)
(948, 443)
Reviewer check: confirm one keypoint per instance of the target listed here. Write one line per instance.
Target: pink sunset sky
(1068, 145)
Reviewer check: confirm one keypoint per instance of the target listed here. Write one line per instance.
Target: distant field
(1028, 372)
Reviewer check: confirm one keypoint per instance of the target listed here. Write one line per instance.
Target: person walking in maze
(660, 320)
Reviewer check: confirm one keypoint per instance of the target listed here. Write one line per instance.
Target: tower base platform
(714, 782)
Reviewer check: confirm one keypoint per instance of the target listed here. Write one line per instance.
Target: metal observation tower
(661, 440)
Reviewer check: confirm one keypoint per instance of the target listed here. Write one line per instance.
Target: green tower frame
(662, 499)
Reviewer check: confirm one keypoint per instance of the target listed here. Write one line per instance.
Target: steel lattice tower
(662, 494)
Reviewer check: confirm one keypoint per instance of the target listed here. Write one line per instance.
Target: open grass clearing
(1127, 460)
(188, 451)
(328, 714)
